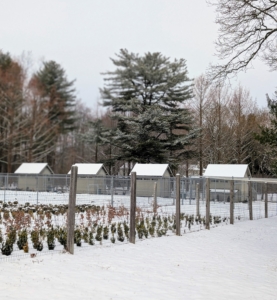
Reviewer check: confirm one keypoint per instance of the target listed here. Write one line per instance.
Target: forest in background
(154, 113)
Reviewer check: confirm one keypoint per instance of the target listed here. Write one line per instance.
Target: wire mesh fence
(39, 204)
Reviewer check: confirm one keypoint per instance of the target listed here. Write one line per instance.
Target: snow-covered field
(228, 262)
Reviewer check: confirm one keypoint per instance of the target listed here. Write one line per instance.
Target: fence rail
(163, 206)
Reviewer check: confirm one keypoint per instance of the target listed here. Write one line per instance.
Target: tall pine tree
(59, 95)
(146, 95)
(268, 135)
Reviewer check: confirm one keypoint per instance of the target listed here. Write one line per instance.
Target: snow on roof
(150, 169)
(32, 168)
(88, 169)
(238, 171)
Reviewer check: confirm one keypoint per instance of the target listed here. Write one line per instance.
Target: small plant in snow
(106, 233)
(62, 236)
(113, 228)
(7, 247)
(35, 238)
(78, 237)
(120, 236)
(91, 238)
(22, 239)
(126, 229)
(98, 236)
(86, 235)
(51, 239)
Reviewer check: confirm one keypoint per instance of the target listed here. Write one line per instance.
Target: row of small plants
(44, 226)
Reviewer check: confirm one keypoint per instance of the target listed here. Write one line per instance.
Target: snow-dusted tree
(268, 135)
(146, 94)
(59, 95)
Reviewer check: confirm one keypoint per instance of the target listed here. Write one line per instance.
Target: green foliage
(39, 246)
(268, 136)
(126, 230)
(11, 235)
(7, 248)
(106, 233)
(113, 228)
(22, 239)
(35, 238)
(146, 95)
(120, 235)
(51, 239)
(62, 236)
(91, 238)
(5, 61)
(60, 94)
(85, 235)
(78, 237)
(99, 231)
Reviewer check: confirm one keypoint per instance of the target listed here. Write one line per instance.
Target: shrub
(7, 248)
(22, 239)
(35, 238)
(51, 239)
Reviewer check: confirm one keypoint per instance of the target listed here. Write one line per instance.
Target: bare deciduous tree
(199, 104)
(248, 29)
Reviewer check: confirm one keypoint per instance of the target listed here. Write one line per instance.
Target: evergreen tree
(268, 135)
(146, 95)
(94, 136)
(59, 95)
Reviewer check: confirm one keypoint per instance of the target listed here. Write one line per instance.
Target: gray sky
(82, 36)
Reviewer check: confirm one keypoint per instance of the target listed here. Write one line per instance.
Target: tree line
(154, 113)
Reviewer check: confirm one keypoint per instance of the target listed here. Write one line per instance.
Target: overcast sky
(82, 36)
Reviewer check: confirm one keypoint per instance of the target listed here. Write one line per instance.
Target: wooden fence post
(231, 201)
(155, 204)
(207, 203)
(132, 238)
(266, 199)
(111, 184)
(174, 196)
(37, 189)
(250, 202)
(197, 200)
(71, 210)
(178, 206)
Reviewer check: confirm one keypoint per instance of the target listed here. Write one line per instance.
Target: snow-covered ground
(228, 262)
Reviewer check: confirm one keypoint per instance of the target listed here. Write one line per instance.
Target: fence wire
(103, 201)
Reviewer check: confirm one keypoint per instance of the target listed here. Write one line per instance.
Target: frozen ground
(228, 262)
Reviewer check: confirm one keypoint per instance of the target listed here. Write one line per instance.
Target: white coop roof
(150, 169)
(237, 171)
(88, 169)
(32, 168)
